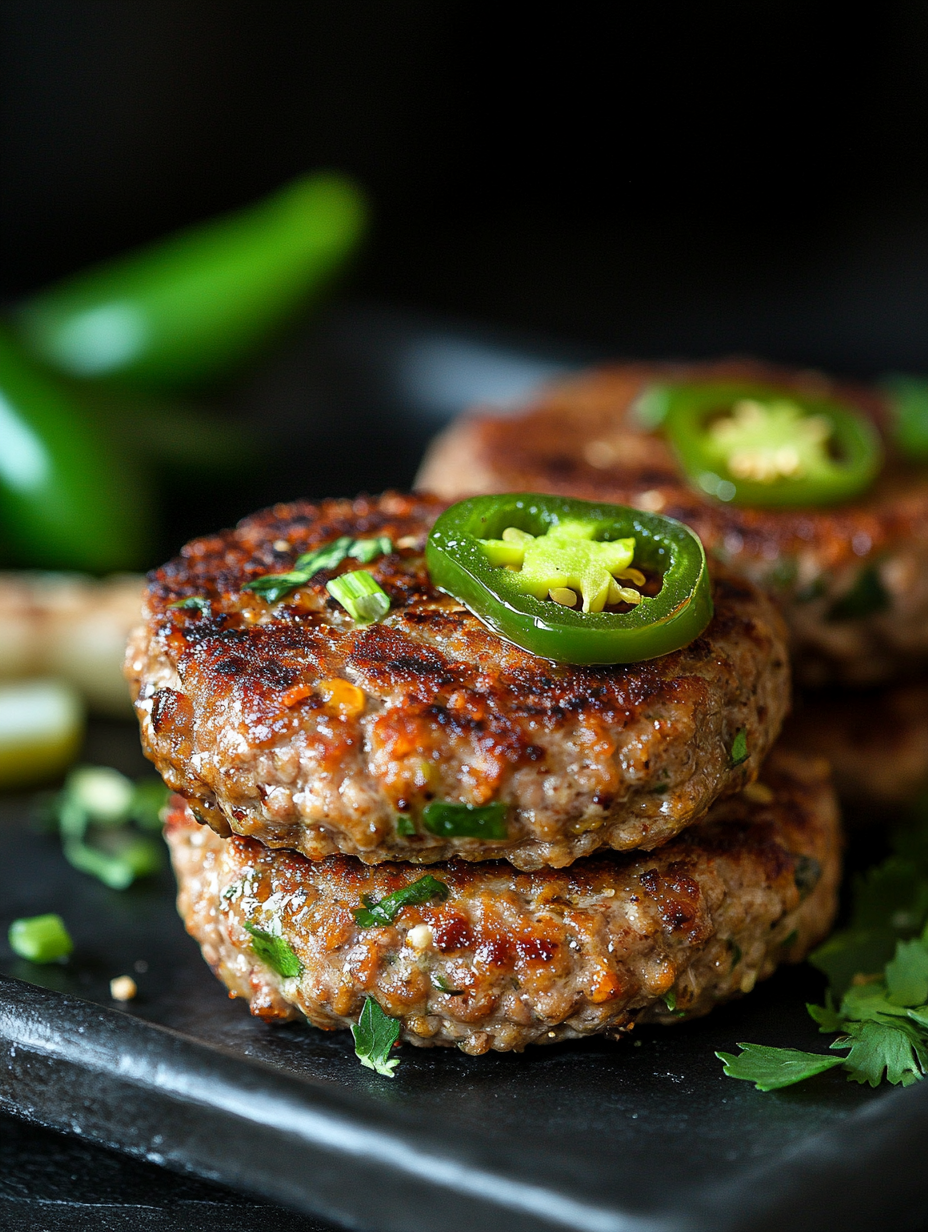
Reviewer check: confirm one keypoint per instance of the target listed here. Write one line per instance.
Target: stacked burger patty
(651, 852)
(849, 576)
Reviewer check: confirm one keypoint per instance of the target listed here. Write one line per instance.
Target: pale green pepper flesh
(565, 557)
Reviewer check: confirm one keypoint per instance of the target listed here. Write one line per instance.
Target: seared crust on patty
(289, 723)
(580, 438)
(509, 958)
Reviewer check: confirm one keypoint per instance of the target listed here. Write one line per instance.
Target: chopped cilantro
(387, 909)
(405, 824)
(375, 1033)
(739, 747)
(275, 952)
(192, 603)
(670, 1000)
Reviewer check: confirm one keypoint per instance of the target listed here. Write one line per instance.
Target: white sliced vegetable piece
(41, 726)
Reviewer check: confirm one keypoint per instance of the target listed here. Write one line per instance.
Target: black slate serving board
(632, 1137)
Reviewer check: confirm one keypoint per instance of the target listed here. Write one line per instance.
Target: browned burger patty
(290, 723)
(513, 958)
(851, 580)
(875, 739)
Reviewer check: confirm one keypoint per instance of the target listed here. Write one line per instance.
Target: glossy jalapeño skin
(675, 616)
(289, 722)
(187, 308)
(850, 578)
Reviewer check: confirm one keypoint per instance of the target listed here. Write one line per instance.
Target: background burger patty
(291, 724)
(514, 958)
(851, 580)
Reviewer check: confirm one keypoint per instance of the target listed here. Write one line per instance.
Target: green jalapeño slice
(573, 581)
(761, 445)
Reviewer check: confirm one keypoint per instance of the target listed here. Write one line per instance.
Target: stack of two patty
(643, 870)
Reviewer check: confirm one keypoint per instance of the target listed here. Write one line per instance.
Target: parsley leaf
(375, 1033)
(896, 1048)
(387, 909)
(907, 974)
(275, 952)
(879, 971)
(772, 1068)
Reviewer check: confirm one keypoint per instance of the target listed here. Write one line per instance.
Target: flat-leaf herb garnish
(877, 967)
(375, 1033)
(273, 586)
(275, 952)
(384, 912)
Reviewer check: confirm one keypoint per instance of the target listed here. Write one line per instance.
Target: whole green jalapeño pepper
(68, 498)
(757, 444)
(185, 309)
(544, 572)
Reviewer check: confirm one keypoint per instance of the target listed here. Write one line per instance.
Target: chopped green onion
(388, 908)
(101, 792)
(191, 603)
(360, 595)
(126, 857)
(405, 824)
(329, 557)
(366, 550)
(275, 952)
(739, 747)
(149, 799)
(40, 938)
(273, 586)
(375, 1033)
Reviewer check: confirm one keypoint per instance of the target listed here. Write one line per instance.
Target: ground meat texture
(509, 958)
(851, 580)
(289, 723)
(875, 739)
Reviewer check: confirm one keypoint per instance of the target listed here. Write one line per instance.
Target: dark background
(659, 178)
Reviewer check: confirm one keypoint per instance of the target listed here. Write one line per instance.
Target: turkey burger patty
(289, 722)
(506, 958)
(851, 579)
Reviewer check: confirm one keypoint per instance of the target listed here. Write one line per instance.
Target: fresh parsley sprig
(388, 908)
(273, 586)
(275, 951)
(375, 1033)
(877, 1001)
